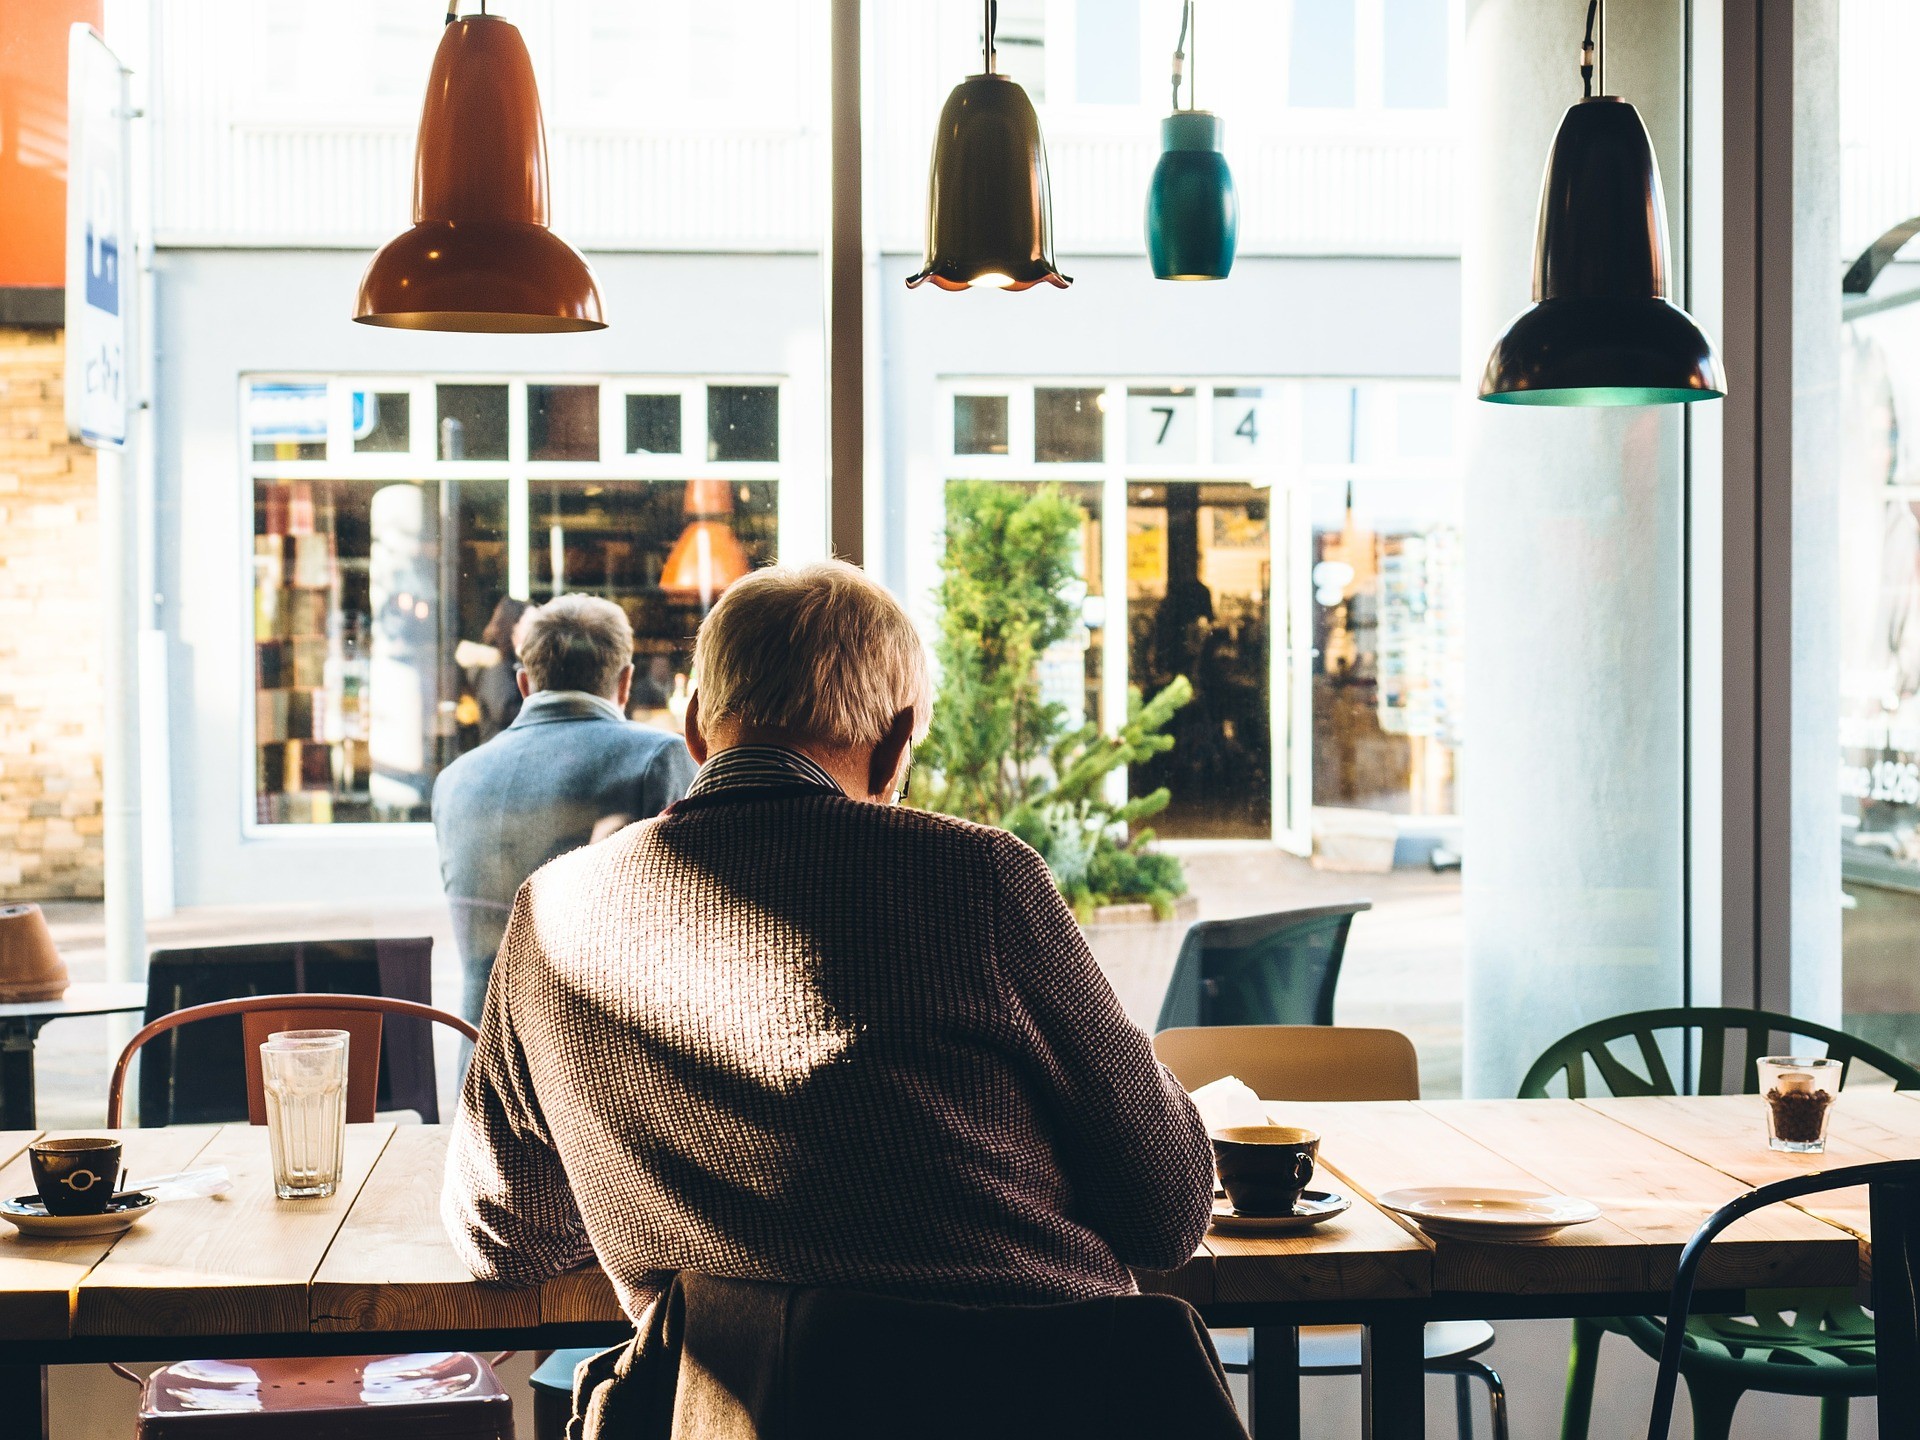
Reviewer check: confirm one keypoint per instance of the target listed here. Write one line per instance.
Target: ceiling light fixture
(989, 211)
(1193, 211)
(480, 255)
(1601, 330)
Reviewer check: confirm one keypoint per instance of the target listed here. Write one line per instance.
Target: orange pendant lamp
(480, 255)
(708, 556)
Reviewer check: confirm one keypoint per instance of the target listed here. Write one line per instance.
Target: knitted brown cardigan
(778, 1034)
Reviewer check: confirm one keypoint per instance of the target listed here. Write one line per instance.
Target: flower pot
(1135, 950)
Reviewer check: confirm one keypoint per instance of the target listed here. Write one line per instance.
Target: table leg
(16, 1074)
(23, 1394)
(1393, 1381)
(1273, 1382)
(1896, 1304)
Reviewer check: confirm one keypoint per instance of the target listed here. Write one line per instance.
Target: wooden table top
(372, 1258)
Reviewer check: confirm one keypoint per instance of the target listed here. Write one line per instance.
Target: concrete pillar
(1574, 818)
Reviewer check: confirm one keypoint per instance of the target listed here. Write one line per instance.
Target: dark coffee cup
(1264, 1168)
(75, 1177)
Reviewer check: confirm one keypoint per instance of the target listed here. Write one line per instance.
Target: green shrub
(997, 752)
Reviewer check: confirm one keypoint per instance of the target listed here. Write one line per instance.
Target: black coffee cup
(1265, 1168)
(75, 1177)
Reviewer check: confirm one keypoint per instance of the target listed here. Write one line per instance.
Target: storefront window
(387, 573)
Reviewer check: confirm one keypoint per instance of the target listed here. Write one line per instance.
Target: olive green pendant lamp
(1601, 330)
(1193, 211)
(480, 255)
(989, 212)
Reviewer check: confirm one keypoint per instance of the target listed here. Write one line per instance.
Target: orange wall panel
(33, 137)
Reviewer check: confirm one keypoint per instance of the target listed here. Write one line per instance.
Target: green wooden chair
(1798, 1342)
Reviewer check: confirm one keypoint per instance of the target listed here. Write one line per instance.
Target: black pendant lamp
(1601, 330)
(989, 213)
(1193, 211)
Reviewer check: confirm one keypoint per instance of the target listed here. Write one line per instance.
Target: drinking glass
(304, 1073)
(1799, 1092)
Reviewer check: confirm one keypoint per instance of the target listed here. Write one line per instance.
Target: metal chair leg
(1463, 1405)
(1463, 1367)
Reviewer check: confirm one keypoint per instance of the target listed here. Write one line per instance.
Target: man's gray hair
(819, 651)
(575, 642)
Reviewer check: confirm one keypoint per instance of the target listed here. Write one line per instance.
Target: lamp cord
(1586, 51)
(1180, 55)
(991, 23)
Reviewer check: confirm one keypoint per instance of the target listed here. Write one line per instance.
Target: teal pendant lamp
(1601, 330)
(1193, 211)
(989, 208)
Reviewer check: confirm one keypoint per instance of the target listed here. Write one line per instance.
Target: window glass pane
(663, 550)
(1245, 428)
(1320, 68)
(1069, 426)
(979, 424)
(1199, 581)
(743, 422)
(1020, 45)
(381, 422)
(363, 592)
(1414, 40)
(653, 424)
(1163, 426)
(1329, 416)
(1106, 63)
(473, 422)
(287, 420)
(563, 422)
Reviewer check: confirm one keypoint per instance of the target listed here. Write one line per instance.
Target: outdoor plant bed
(1136, 949)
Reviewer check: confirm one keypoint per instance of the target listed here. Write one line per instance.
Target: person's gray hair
(575, 642)
(819, 651)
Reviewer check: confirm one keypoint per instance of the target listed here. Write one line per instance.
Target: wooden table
(369, 1269)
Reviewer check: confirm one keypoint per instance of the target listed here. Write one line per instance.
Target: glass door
(1200, 604)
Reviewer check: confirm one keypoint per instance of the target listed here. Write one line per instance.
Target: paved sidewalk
(1403, 965)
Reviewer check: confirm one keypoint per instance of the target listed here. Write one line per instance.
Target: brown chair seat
(443, 1395)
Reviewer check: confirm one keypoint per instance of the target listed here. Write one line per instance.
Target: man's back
(535, 791)
(791, 1036)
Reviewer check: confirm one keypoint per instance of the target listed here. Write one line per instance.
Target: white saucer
(29, 1216)
(1315, 1207)
(1454, 1213)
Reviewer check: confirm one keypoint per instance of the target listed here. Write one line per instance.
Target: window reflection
(563, 422)
(382, 422)
(473, 422)
(743, 422)
(1069, 426)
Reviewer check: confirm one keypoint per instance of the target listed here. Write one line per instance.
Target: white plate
(30, 1217)
(1453, 1213)
(1315, 1207)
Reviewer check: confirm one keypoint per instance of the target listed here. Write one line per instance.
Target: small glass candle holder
(1799, 1094)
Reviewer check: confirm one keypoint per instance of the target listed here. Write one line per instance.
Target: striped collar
(760, 767)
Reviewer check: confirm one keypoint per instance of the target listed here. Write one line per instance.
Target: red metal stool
(434, 1396)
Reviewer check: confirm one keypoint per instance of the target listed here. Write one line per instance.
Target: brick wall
(50, 716)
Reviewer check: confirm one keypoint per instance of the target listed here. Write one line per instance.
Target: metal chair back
(1278, 969)
(361, 1016)
(1295, 1062)
(1894, 1197)
(1591, 1056)
(202, 1082)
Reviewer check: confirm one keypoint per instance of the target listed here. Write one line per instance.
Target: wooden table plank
(38, 1277)
(12, 1142)
(1389, 1145)
(1656, 1193)
(234, 1264)
(391, 1266)
(1364, 1254)
(1192, 1282)
(1729, 1133)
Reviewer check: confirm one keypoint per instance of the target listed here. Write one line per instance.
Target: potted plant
(999, 753)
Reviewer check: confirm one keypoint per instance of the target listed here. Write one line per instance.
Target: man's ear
(888, 756)
(525, 683)
(696, 742)
(623, 687)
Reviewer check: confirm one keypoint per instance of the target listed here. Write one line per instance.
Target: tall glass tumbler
(305, 1077)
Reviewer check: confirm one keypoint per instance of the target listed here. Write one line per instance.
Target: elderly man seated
(792, 1031)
